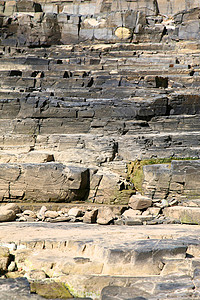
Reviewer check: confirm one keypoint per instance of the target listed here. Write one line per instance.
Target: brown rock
(90, 216)
(139, 202)
(7, 215)
(51, 214)
(105, 215)
(11, 206)
(76, 212)
(131, 213)
(4, 258)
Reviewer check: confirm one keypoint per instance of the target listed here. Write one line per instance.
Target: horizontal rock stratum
(96, 85)
(43, 182)
(167, 257)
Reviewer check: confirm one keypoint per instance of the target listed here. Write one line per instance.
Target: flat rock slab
(187, 215)
(33, 231)
(91, 257)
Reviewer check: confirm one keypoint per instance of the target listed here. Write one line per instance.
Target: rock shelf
(151, 261)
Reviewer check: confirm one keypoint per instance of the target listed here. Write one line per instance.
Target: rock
(41, 213)
(90, 216)
(37, 275)
(18, 288)
(50, 290)
(133, 221)
(76, 212)
(186, 215)
(4, 259)
(105, 215)
(51, 214)
(46, 181)
(61, 219)
(121, 293)
(131, 213)
(11, 206)
(7, 215)
(29, 213)
(139, 202)
(12, 266)
(154, 211)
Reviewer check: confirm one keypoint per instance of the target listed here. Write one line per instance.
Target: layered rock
(98, 105)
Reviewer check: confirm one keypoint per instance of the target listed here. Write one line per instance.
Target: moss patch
(50, 290)
(121, 197)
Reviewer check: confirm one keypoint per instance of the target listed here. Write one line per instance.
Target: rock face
(181, 178)
(43, 182)
(153, 263)
(36, 23)
(95, 91)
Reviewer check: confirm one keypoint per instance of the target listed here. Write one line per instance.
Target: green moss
(135, 169)
(121, 197)
(50, 290)
(188, 219)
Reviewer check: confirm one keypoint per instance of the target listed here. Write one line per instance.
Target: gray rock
(16, 289)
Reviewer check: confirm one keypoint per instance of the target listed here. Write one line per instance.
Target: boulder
(75, 212)
(139, 202)
(186, 215)
(43, 182)
(51, 214)
(131, 213)
(4, 259)
(8, 212)
(105, 215)
(90, 216)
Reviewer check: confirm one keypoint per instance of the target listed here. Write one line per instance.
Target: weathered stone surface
(50, 290)
(187, 215)
(50, 181)
(90, 216)
(105, 215)
(139, 202)
(4, 259)
(16, 289)
(8, 212)
(163, 180)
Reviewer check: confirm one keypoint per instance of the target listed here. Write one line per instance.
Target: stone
(61, 219)
(186, 215)
(51, 214)
(29, 181)
(11, 206)
(76, 212)
(7, 215)
(123, 33)
(111, 292)
(105, 215)
(17, 288)
(90, 216)
(37, 275)
(41, 213)
(139, 202)
(50, 290)
(29, 213)
(4, 259)
(12, 266)
(131, 213)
